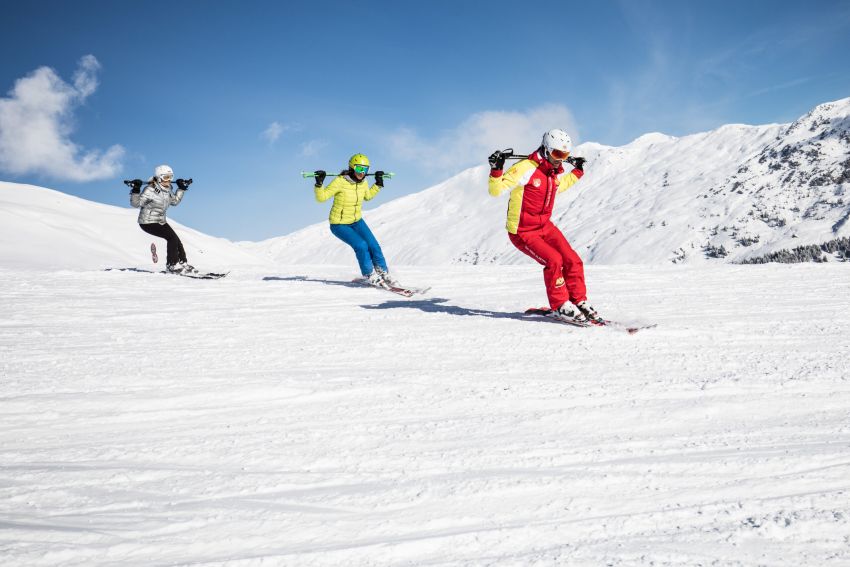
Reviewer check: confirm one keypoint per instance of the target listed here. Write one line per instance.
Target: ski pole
(129, 182)
(305, 174)
(509, 154)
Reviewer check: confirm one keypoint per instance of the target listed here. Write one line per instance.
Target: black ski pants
(176, 253)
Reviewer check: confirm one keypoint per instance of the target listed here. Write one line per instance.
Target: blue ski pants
(366, 247)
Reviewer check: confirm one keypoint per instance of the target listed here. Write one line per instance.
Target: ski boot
(188, 268)
(589, 313)
(375, 279)
(182, 268)
(570, 313)
(391, 281)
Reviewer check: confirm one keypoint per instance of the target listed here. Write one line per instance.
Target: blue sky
(242, 96)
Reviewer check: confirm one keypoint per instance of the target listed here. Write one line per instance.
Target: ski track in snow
(286, 417)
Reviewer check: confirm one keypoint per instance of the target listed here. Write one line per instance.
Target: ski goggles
(166, 178)
(362, 169)
(558, 154)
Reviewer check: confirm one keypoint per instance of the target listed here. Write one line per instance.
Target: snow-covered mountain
(286, 416)
(45, 229)
(736, 192)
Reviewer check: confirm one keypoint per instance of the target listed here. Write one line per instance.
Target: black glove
(135, 185)
(320, 176)
(577, 162)
(497, 160)
(379, 178)
(183, 183)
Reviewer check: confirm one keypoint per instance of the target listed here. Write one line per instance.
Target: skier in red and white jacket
(533, 183)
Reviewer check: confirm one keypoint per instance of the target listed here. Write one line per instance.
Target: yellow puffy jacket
(348, 195)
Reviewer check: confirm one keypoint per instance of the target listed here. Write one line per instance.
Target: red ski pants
(563, 270)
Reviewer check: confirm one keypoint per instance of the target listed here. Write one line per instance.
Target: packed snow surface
(283, 417)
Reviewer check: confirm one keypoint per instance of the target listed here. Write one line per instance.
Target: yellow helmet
(358, 159)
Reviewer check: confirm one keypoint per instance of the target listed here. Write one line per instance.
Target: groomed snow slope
(285, 418)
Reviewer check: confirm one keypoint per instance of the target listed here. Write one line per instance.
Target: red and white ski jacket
(533, 184)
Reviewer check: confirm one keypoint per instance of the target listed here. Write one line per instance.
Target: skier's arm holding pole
(376, 187)
(500, 180)
(567, 180)
(182, 186)
(136, 198)
(325, 193)
(135, 186)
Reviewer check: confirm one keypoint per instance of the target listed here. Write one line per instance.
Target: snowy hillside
(285, 418)
(45, 229)
(735, 192)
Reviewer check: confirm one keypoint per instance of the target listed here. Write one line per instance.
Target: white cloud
(36, 122)
(312, 148)
(273, 132)
(479, 135)
(275, 129)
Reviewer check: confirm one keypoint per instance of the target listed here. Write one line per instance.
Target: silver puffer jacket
(154, 200)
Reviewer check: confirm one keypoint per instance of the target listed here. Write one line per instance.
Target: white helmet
(557, 140)
(163, 171)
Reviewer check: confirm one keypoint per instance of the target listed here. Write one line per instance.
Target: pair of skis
(200, 275)
(193, 275)
(398, 290)
(551, 314)
(534, 311)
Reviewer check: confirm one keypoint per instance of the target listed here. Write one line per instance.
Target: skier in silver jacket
(153, 201)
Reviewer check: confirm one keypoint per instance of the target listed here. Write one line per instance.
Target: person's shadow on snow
(435, 305)
(309, 279)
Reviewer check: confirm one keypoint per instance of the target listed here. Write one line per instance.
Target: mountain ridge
(740, 189)
(737, 193)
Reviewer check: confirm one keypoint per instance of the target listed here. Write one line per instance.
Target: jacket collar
(545, 165)
(350, 177)
(157, 186)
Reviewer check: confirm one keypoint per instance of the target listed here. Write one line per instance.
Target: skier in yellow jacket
(349, 189)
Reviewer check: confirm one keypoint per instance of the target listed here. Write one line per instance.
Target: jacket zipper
(548, 193)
